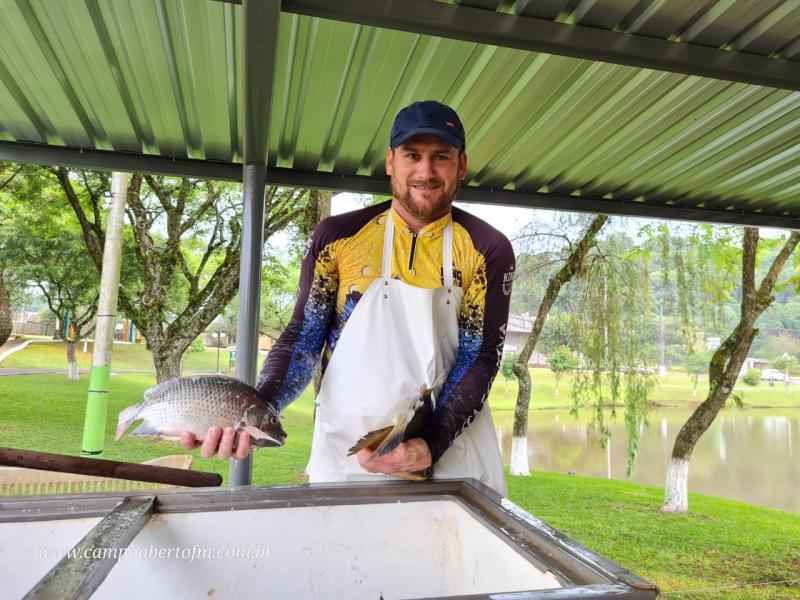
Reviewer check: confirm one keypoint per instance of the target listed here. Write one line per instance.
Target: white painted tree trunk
(676, 492)
(72, 373)
(519, 456)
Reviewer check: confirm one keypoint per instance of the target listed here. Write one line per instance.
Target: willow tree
(726, 363)
(181, 260)
(608, 321)
(573, 264)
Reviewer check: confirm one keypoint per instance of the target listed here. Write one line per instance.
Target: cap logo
(449, 124)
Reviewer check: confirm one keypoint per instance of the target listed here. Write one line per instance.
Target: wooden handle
(98, 467)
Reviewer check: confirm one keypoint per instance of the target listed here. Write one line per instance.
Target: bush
(197, 346)
(506, 366)
(752, 377)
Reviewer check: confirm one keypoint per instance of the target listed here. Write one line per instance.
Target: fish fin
(126, 419)
(257, 434)
(370, 440)
(144, 430)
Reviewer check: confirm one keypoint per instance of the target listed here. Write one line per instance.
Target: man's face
(425, 173)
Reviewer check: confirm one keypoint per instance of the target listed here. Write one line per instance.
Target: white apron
(398, 338)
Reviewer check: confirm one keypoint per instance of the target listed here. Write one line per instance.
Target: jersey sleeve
(482, 325)
(290, 364)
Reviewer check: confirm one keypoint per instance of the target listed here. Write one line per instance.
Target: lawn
(136, 357)
(673, 390)
(720, 544)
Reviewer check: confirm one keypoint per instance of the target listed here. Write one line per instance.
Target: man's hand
(219, 442)
(413, 455)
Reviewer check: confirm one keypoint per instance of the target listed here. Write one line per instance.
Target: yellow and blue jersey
(344, 255)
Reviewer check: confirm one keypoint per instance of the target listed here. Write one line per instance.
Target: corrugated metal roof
(165, 78)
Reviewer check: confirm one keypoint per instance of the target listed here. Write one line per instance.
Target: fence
(30, 328)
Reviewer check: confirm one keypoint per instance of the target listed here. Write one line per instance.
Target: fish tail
(370, 441)
(126, 419)
(393, 438)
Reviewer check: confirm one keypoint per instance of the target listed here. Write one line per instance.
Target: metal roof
(699, 119)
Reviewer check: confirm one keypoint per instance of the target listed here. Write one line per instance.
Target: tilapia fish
(196, 403)
(407, 425)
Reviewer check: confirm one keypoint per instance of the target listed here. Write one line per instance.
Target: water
(749, 455)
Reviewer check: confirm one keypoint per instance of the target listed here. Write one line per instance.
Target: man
(403, 295)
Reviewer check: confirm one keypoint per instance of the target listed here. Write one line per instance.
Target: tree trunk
(519, 441)
(725, 366)
(167, 362)
(5, 311)
(694, 387)
(318, 208)
(519, 437)
(558, 380)
(73, 373)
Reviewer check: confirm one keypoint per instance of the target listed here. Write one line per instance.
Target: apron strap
(447, 254)
(447, 250)
(388, 242)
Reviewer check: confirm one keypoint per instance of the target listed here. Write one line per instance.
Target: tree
(8, 173)
(607, 325)
(573, 264)
(42, 247)
(5, 311)
(560, 362)
(786, 363)
(181, 263)
(726, 363)
(695, 364)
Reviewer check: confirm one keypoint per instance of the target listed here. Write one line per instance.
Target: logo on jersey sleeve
(508, 280)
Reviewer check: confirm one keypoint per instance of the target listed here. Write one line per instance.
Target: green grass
(53, 355)
(673, 390)
(720, 544)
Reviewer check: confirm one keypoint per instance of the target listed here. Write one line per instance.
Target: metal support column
(260, 19)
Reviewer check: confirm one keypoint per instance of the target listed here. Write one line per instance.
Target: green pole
(94, 426)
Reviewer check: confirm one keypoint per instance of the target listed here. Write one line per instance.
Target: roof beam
(227, 171)
(540, 35)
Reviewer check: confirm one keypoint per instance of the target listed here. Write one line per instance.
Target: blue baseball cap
(428, 117)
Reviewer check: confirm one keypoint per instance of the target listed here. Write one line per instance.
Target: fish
(195, 404)
(408, 424)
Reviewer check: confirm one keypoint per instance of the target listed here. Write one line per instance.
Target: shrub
(752, 377)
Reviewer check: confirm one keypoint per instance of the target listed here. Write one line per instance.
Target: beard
(427, 206)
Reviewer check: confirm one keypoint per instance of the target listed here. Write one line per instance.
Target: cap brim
(442, 134)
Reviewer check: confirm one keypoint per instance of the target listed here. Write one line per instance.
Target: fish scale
(195, 404)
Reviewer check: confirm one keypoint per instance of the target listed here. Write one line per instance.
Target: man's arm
(290, 365)
(482, 328)
(291, 362)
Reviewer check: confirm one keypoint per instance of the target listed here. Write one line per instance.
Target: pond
(750, 455)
